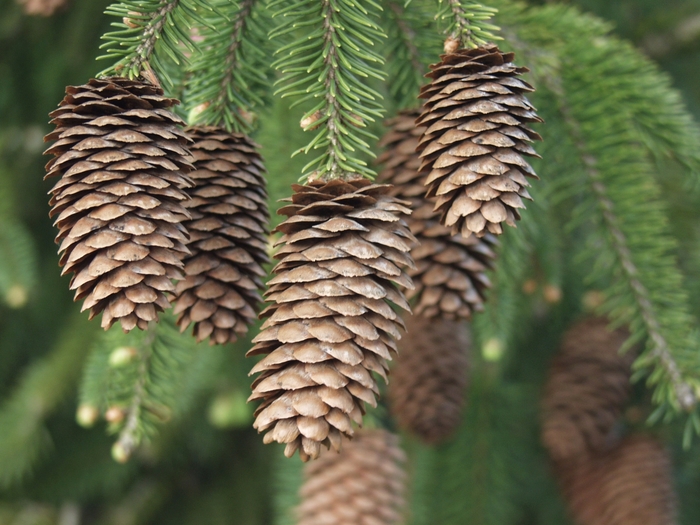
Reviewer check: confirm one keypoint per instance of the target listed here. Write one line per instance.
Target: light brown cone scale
(364, 484)
(122, 159)
(631, 484)
(586, 391)
(331, 323)
(221, 291)
(429, 381)
(450, 275)
(476, 114)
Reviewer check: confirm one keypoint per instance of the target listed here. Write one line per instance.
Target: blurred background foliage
(207, 466)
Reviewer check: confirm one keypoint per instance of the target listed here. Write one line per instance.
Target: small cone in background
(364, 484)
(123, 162)
(629, 485)
(41, 7)
(429, 381)
(450, 276)
(472, 151)
(587, 388)
(330, 323)
(220, 293)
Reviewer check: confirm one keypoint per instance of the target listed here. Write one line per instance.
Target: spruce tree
(163, 160)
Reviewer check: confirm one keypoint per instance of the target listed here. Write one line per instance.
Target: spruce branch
(684, 393)
(150, 33)
(330, 67)
(412, 44)
(468, 22)
(134, 380)
(228, 75)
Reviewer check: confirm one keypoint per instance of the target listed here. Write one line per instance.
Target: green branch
(150, 33)
(468, 22)
(330, 66)
(412, 44)
(228, 76)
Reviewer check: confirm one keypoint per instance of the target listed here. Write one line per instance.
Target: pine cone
(471, 152)
(588, 386)
(330, 324)
(220, 294)
(362, 485)
(450, 275)
(628, 485)
(123, 161)
(430, 377)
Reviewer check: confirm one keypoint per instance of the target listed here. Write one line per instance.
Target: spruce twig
(660, 349)
(468, 23)
(331, 67)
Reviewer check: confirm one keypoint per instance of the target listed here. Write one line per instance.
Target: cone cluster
(587, 389)
(362, 485)
(330, 323)
(429, 381)
(220, 293)
(628, 485)
(476, 114)
(123, 161)
(450, 275)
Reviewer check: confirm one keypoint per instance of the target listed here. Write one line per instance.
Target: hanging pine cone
(123, 159)
(450, 275)
(628, 485)
(475, 114)
(587, 388)
(220, 293)
(362, 485)
(330, 324)
(429, 380)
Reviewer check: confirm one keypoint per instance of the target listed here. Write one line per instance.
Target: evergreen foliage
(613, 228)
(328, 63)
(227, 77)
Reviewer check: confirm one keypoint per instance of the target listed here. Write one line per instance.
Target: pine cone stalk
(587, 389)
(362, 485)
(330, 323)
(450, 275)
(123, 160)
(429, 381)
(472, 151)
(220, 293)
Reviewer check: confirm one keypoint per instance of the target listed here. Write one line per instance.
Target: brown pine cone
(330, 323)
(221, 291)
(587, 388)
(364, 484)
(631, 484)
(429, 380)
(476, 114)
(450, 276)
(123, 159)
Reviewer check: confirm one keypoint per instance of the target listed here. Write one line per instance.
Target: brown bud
(130, 22)
(552, 294)
(530, 286)
(451, 45)
(114, 415)
(307, 123)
